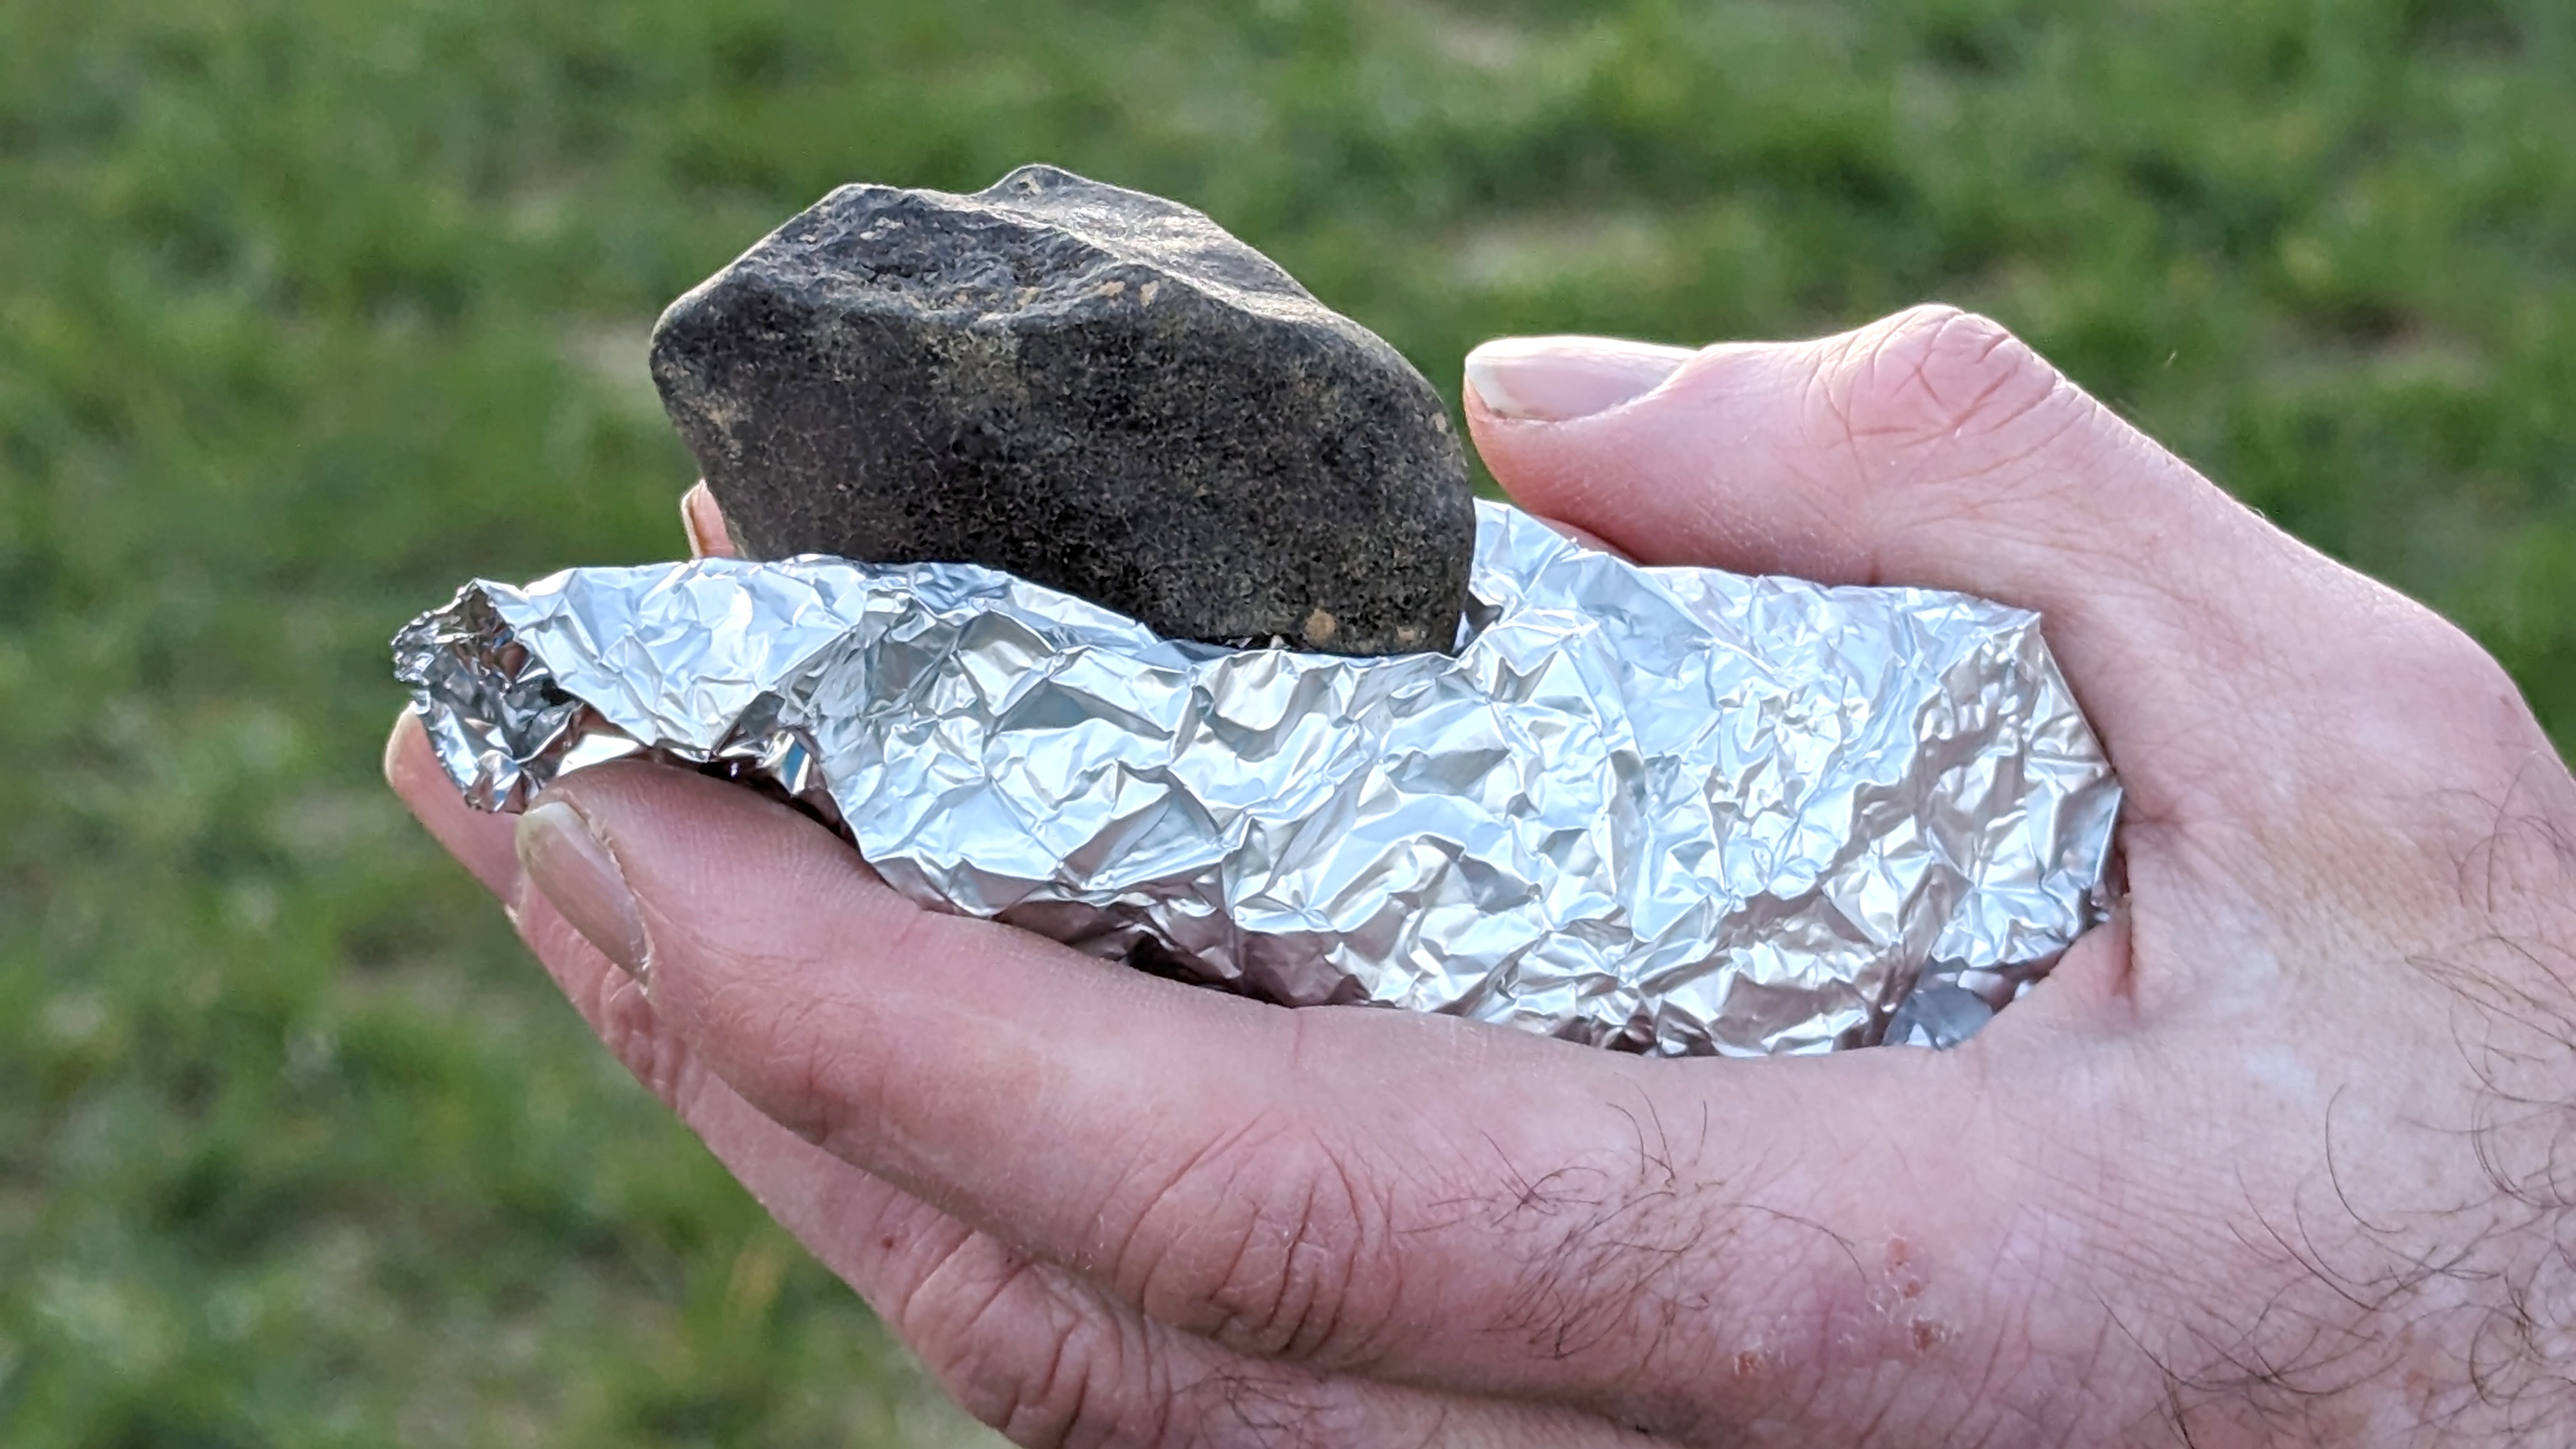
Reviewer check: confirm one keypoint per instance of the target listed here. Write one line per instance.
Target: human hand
(2283, 1152)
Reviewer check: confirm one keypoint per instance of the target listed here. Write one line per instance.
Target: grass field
(309, 309)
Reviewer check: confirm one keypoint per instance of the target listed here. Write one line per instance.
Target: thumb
(1404, 1195)
(1932, 449)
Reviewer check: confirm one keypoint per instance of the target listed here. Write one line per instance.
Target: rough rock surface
(1092, 388)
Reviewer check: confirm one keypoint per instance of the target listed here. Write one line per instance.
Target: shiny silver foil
(1663, 809)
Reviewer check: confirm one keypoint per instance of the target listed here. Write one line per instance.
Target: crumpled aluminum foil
(1663, 809)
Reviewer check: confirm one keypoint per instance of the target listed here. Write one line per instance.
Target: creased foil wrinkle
(1663, 809)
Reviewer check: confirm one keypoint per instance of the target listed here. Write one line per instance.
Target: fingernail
(1559, 379)
(574, 872)
(394, 747)
(689, 523)
(705, 524)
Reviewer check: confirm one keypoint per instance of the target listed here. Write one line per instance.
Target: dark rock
(1092, 388)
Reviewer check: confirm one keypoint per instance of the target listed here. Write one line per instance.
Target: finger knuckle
(807, 1076)
(1006, 1346)
(2363, 638)
(2443, 666)
(619, 1011)
(2365, 674)
(636, 1037)
(2456, 664)
(1934, 375)
(1278, 1245)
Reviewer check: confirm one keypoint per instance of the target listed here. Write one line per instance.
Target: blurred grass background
(309, 309)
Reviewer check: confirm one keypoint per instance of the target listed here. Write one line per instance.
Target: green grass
(311, 308)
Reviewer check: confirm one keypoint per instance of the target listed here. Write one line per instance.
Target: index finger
(1414, 1198)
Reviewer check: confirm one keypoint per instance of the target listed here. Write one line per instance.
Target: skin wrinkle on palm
(2229, 1175)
